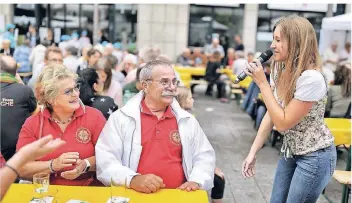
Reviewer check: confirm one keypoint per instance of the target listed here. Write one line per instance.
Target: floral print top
(311, 133)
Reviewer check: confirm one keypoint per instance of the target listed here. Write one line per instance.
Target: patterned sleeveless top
(311, 133)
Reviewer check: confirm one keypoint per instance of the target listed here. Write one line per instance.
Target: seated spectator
(230, 58)
(70, 61)
(63, 116)
(17, 104)
(112, 88)
(345, 54)
(6, 49)
(52, 55)
(250, 57)
(129, 65)
(185, 99)
(21, 56)
(129, 151)
(32, 36)
(91, 92)
(135, 86)
(83, 60)
(118, 76)
(93, 57)
(36, 58)
(339, 94)
(185, 58)
(212, 75)
(240, 63)
(239, 45)
(148, 53)
(199, 58)
(210, 49)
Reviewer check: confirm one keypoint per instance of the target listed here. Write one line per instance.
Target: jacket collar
(132, 108)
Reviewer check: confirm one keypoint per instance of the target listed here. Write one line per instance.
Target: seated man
(152, 143)
(17, 104)
(185, 58)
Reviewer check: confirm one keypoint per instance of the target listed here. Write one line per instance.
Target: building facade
(172, 27)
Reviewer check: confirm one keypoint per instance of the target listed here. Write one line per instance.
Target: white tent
(335, 29)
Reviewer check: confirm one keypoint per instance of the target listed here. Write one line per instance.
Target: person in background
(32, 36)
(83, 60)
(330, 60)
(93, 58)
(148, 53)
(35, 150)
(210, 49)
(345, 54)
(128, 66)
(185, 58)
(63, 116)
(230, 58)
(212, 75)
(199, 58)
(17, 104)
(70, 61)
(37, 55)
(84, 40)
(239, 64)
(185, 99)
(21, 56)
(49, 39)
(91, 92)
(112, 88)
(239, 45)
(151, 137)
(9, 35)
(52, 55)
(339, 94)
(135, 86)
(6, 48)
(102, 37)
(250, 57)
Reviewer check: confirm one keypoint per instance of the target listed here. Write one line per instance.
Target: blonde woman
(65, 117)
(296, 108)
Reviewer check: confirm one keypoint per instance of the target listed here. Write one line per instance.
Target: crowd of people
(123, 117)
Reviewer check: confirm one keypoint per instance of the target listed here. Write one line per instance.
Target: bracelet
(51, 166)
(13, 169)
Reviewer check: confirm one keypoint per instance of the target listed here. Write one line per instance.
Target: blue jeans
(303, 178)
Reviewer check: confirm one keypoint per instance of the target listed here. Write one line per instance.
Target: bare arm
(264, 130)
(288, 117)
(33, 167)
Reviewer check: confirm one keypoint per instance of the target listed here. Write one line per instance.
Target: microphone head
(237, 81)
(265, 56)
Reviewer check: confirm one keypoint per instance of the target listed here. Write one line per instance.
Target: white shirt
(72, 63)
(239, 65)
(332, 56)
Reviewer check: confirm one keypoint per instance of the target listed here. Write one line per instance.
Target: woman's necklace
(63, 122)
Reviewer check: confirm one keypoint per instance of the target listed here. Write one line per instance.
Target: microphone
(264, 57)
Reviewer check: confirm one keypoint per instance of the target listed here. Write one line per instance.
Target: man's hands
(147, 183)
(189, 186)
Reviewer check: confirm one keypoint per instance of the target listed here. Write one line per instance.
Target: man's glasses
(69, 91)
(166, 82)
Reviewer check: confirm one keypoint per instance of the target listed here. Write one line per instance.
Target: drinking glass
(41, 184)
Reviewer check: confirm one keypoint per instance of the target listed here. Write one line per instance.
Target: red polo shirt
(162, 149)
(80, 135)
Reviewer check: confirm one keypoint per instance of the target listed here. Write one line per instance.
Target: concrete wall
(250, 27)
(7, 10)
(165, 25)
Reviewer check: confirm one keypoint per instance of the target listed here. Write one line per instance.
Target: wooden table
(19, 193)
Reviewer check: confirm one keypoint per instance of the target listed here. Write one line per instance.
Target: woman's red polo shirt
(80, 135)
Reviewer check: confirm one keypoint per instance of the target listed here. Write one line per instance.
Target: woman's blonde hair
(48, 83)
(182, 94)
(302, 49)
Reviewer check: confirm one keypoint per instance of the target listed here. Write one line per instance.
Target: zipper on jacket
(183, 158)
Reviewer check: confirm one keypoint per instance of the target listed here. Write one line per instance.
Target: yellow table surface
(23, 193)
(340, 129)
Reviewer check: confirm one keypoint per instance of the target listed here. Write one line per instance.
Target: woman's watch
(87, 166)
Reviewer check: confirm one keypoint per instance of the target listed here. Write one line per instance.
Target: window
(208, 21)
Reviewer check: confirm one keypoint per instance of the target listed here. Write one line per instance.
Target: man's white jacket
(119, 148)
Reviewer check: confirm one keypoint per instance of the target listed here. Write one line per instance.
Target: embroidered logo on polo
(175, 137)
(83, 135)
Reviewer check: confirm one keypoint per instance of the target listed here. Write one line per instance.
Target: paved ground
(231, 133)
